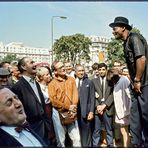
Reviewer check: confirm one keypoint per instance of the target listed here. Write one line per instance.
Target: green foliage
(115, 49)
(72, 48)
(9, 58)
(135, 30)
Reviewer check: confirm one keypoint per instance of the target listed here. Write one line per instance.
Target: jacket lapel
(30, 89)
(99, 83)
(37, 137)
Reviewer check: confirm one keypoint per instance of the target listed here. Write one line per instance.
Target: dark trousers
(135, 120)
(85, 132)
(107, 121)
(51, 133)
(143, 101)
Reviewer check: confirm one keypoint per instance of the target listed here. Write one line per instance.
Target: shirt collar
(44, 87)
(61, 79)
(27, 78)
(11, 130)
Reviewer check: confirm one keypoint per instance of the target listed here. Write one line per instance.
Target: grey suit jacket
(109, 100)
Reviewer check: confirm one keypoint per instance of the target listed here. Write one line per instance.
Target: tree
(115, 49)
(9, 58)
(72, 48)
(134, 29)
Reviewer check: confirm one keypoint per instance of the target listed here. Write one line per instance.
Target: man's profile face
(11, 108)
(29, 66)
(60, 69)
(118, 32)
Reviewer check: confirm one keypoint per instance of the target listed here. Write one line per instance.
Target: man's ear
(23, 67)
(123, 29)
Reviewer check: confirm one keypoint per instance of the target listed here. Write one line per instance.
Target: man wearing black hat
(136, 55)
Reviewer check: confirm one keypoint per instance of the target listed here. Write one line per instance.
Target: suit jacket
(109, 100)
(92, 77)
(7, 140)
(34, 110)
(87, 97)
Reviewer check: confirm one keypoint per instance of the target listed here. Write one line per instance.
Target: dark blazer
(34, 110)
(87, 97)
(6, 140)
(109, 101)
(92, 77)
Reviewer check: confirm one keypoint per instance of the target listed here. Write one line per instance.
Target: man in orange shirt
(64, 97)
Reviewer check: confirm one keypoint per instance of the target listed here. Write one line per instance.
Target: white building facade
(37, 54)
(98, 49)
(98, 52)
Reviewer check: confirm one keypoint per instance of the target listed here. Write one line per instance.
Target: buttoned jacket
(109, 101)
(63, 92)
(87, 97)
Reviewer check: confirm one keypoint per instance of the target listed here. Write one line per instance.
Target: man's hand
(137, 86)
(73, 108)
(90, 116)
(101, 108)
(72, 114)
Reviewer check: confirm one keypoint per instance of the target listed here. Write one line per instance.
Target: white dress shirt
(44, 89)
(77, 82)
(103, 99)
(26, 138)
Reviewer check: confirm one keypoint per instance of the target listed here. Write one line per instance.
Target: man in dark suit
(86, 105)
(104, 107)
(29, 92)
(14, 130)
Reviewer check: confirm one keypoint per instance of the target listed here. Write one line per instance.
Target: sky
(30, 22)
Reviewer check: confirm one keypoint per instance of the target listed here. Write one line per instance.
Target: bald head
(11, 108)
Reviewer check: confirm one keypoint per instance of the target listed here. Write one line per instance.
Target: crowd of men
(45, 92)
(63, 105)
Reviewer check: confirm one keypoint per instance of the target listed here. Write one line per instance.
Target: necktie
(24, 126)
(79, 85)
(32, 80)
(103, 90)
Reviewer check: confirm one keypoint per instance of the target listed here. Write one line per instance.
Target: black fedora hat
(121, 21)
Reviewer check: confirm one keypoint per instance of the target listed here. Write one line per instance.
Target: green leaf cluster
(9, 58)
(72, 48)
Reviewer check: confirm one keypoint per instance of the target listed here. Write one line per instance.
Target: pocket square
(96, 95)
(87, 85)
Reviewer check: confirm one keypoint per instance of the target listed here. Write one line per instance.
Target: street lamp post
(62, 17)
